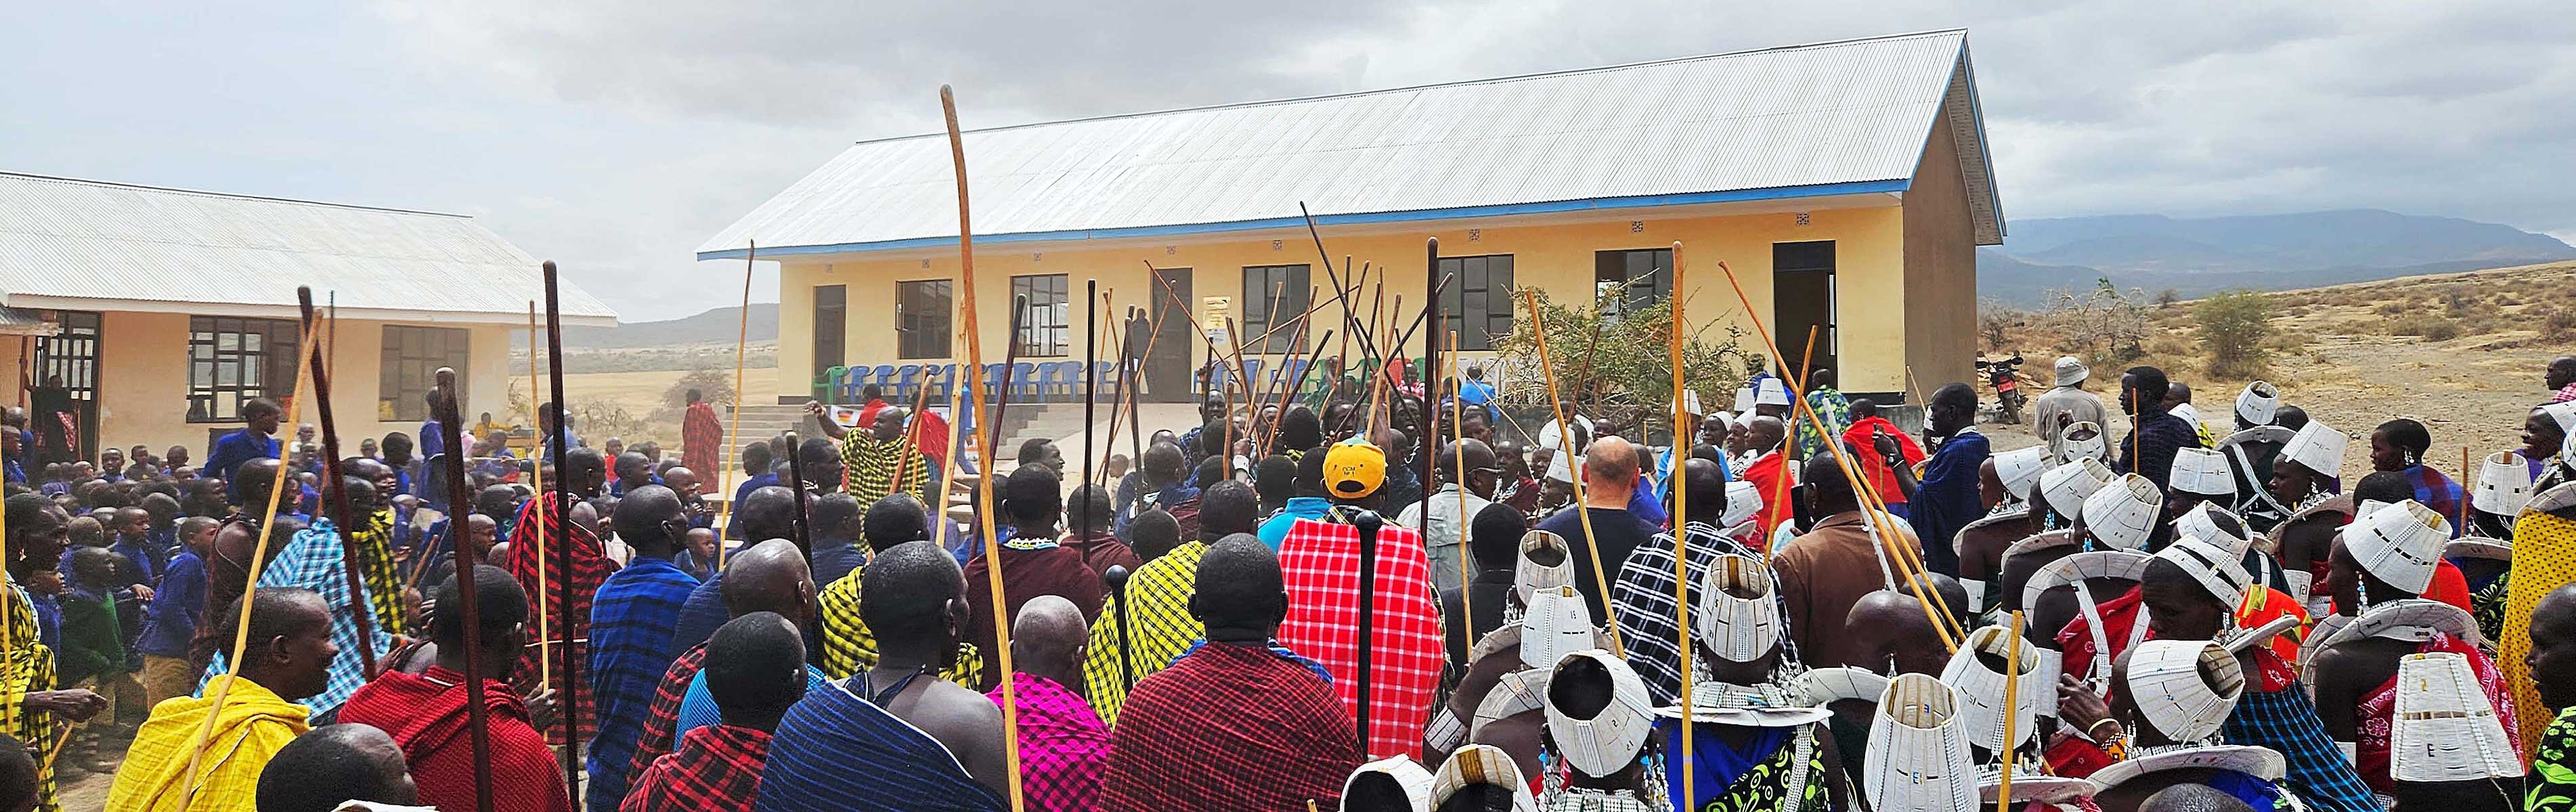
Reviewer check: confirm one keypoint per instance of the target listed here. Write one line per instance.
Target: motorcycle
(2002, 375)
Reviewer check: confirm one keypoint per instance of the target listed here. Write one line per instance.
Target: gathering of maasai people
(1648, 437)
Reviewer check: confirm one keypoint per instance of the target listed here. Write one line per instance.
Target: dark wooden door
(71, 357)
(831, 324)
(1802, 299)
(1167, 367)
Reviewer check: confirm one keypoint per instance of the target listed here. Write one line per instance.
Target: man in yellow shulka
(287, 657)
(30, 709)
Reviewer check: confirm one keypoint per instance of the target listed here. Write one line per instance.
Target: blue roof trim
(1550, 207)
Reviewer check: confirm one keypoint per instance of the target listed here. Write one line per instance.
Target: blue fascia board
(1504, 210)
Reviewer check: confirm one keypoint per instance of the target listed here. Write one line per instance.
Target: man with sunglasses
(1440, 537)
(631, 626)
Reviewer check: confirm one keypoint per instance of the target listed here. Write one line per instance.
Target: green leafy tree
(2233, 327)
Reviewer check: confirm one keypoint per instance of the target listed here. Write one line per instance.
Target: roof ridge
(1430, 85)
(227, 195)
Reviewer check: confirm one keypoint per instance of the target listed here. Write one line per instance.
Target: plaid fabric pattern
(1648, 621)
(874, 469)
(836, 752)
(717, 769)
(313, 560)
(372, 546)
(1158, 603)
(631, 623)
(700, 435)
(2286, 721)
(849, 648)
(1230, 727)
(662, 717)
(569, 619)
(2438, 492)
(1320, 562)
(1063, 746)
(26, 666)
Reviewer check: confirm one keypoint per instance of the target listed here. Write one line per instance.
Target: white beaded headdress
(1738, 616)
(2123, 513)
(1981, 689)
(2318, 447)
(2167, 686)
(2401, 544)
(2258, 403)
(2444, 729)
(1546, 562)
(1918, 749)
(1608, 741)
(2504, 484)
(2020, 469)
(1556, 624)
(1481, 764)
(2096, 448)
(2204, 472)
(1415, 780)
(2069, 484)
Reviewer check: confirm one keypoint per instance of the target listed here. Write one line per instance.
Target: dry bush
(2232, 327)
(2425, 325)
(2389, 308)
(2559, 326)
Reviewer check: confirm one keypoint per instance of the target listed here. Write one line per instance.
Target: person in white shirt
(1440, 538)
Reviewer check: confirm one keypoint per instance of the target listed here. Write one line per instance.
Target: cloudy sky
(615, 135)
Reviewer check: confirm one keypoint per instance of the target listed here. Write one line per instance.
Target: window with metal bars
(1273, 294)
(921, 312)
(1044, 320)
(1477, 301)
(412, 356)
(233, 360)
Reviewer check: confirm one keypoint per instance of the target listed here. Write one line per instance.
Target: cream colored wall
(144, 380)
(1869, 256)
(1940, 268)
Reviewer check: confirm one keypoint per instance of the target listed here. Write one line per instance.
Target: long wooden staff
(1090, 395)
(796, 524)
(468, 557)
(733, 425)
(2012, 698)
(1582, 511)
(204, 737)
(554, 511)
(1681, 528)
(337, 489)
(1283, 385)
(456, 528)
(1214, 355)
(903, 462)
(1458, 468)
(1287, 399)
(1866, 489)
(984, 484)
(1118, 387)
(1431, 416)
(1350, 314)
(1010, 369)
(1908, 559)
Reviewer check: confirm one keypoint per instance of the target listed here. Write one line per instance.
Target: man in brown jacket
(1827, 570)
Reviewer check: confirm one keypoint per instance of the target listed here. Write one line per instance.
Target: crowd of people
(1791, 604)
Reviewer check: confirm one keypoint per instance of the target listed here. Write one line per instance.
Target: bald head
(1765, 432)
(335, 764)
(582, 471)
(1240, 594)
(1705, 484)
(649, 518)
(2192, 798)
(769, 512)
(1891, 628)
(1048, 638)
(769, 577)
(1609, 470)
(912, 597)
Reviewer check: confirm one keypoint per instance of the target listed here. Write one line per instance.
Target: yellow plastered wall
(1559, 258)
(143, 382)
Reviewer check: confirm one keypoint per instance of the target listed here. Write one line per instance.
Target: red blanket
(566, 621)
(1321, 564)
(426, 715)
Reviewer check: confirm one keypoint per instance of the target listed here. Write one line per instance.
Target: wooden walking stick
(1431, 414)
(1681, 530)
(1090, 389)
(1582, 511)
(337, 489)
(456, 528)
(1117, 398)
(984, 484)
(733, 425)
(554, 512)
(222, 691)
(1458, 464)
(477, 723)
(1116, 577)
(1368, 523)
(1875, 505)
(2012, 697)
(1010, 370)
(1350, 314)
(796, 524)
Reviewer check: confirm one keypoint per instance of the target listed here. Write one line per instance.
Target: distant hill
(2268, 252)
(719, 326)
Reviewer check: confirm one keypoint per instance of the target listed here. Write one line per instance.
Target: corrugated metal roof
(63, 242)
(1818, 119)
(14, 321)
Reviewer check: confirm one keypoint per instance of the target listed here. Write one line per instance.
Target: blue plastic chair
(885, 379)
(905, 378)
(1026, 385)
(852, 380)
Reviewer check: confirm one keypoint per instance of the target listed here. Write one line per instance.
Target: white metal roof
(1831, 118)
(89, 245)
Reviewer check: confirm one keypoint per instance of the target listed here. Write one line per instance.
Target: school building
(1846, 183)
(161, 311)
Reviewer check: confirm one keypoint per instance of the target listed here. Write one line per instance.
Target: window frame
(910, 326)
(1049, 314)
(396, 397)
(280, 345)
(1466, 300)
(1658, 276)
(1294, 283)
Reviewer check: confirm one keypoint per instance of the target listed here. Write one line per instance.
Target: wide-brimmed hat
(2071, 370)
